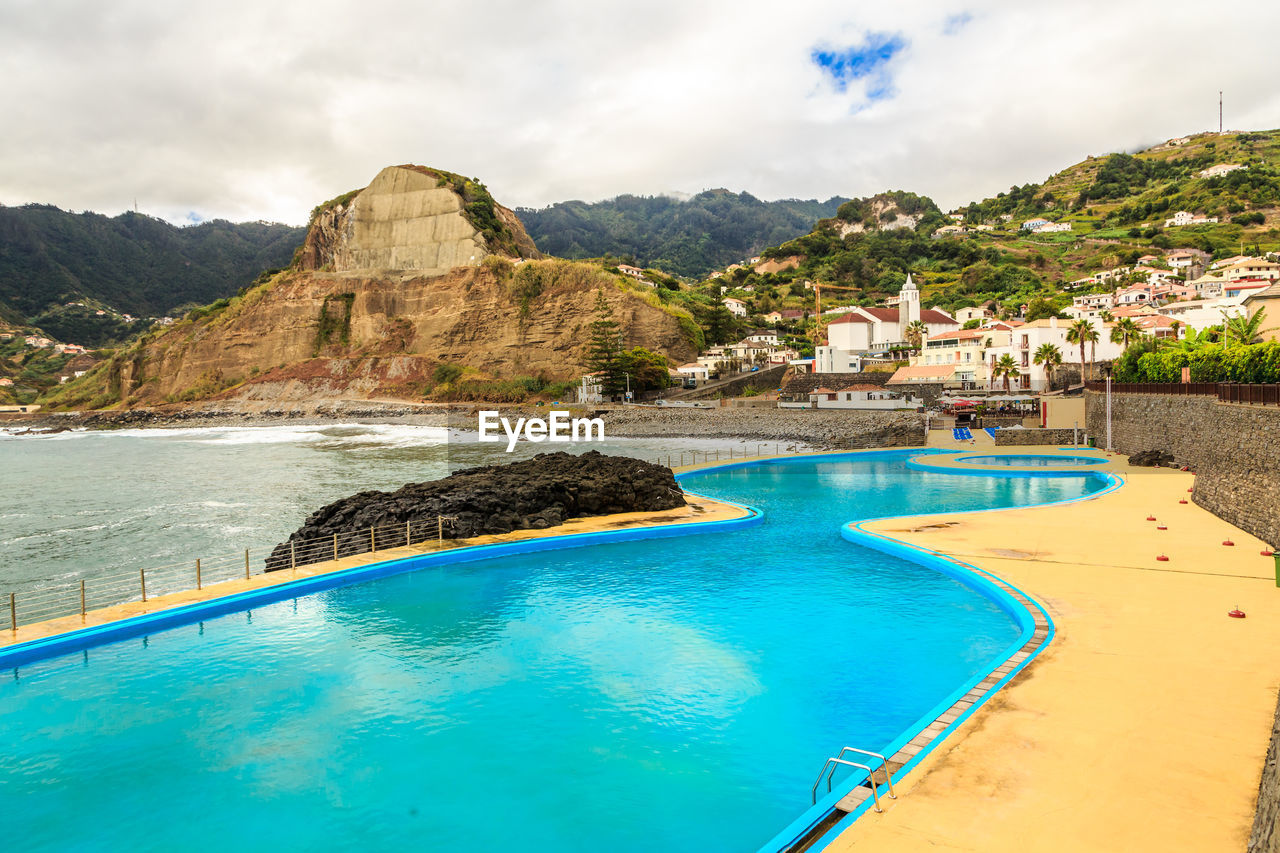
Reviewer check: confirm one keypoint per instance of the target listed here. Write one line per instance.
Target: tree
(604, 349)
(1242, 330)
(1007, 368)
(1124, 331)
(647, 370)
(915, 333)
(1041, 309)
(1082, 332)
(1049, 357)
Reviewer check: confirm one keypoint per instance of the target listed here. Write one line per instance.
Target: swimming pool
(675, 694)
(1032, 460)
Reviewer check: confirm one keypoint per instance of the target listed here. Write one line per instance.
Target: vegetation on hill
(132, 263)
(688, 238)
(1115, 205)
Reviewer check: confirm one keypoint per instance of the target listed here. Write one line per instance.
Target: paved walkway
(1145, 724)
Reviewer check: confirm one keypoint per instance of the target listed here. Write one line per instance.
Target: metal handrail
(832, 762)
(884, 763)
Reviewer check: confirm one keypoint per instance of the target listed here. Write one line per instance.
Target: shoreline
(823, 429)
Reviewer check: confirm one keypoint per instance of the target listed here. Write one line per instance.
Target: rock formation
(419, 268)
(413, 218)
(537, 493)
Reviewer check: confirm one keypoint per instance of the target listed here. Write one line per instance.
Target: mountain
(131, 264)
(689, 237)
(417, 283)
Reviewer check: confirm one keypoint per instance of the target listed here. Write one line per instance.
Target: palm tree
(915, 333)
(1240, 329)
(1125, 330)
(1082, 332)
(1048, 356)
(1106, 315)
(1006, 367)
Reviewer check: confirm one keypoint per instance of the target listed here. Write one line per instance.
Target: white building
(1028, 338)
(830, 359)
(1200, 314)
(964, 315)
(1095, 301)
(1183, 217)
(1034, 223)
(736, 307)
(1251, 269)
(861, 397)
(693, 370)
(1220, 169)
(964, 349)
(1051, 228)
(864, 330)
(590, 390)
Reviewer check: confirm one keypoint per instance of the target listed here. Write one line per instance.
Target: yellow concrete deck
(1145, 724)
(698, 509)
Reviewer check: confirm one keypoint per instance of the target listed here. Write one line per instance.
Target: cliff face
(421, 267)
(413, 218)
(314, 335)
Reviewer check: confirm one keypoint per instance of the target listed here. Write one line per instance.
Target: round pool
(1031, 460)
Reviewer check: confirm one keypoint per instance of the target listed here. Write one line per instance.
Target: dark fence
(1267, 395)
(1226, 392)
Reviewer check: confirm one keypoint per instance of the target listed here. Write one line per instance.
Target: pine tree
(604, 349)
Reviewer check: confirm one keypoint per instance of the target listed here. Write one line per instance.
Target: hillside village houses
(736, 307)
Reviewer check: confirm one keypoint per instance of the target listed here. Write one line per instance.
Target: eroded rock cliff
(419, 268)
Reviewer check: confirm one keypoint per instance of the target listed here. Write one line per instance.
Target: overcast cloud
(257, 110)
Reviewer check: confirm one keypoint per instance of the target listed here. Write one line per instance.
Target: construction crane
(819, 324)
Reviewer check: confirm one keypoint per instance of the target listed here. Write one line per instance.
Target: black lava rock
(1151, 459)
(534, 494)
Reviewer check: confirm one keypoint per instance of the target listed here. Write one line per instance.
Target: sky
(245, 109)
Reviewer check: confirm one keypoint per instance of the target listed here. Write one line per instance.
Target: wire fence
(83, 595)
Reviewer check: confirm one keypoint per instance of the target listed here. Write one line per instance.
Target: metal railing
(143, 585)
(829, 769)
(82, 595)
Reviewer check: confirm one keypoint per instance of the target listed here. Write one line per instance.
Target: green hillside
(131, 263)
(690, 238)
(1116, 206)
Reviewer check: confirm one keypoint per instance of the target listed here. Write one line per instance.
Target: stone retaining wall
(1023, 437)
(1234, 449)
(1266, 825)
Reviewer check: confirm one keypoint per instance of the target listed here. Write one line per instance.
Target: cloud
(249, 110)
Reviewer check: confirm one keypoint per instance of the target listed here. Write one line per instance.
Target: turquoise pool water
(673, 694)
(1032, 460)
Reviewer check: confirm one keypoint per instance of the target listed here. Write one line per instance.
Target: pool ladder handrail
(832, 763)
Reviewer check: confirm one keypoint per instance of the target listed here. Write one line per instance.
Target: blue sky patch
(860, 61)
(956, 23)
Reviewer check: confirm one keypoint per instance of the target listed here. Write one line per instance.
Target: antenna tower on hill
(1219, 111)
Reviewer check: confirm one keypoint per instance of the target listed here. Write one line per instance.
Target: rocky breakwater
(840, 429)
(534, 494)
